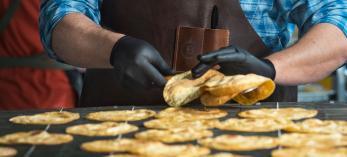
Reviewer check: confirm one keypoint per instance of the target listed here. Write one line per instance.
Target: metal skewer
(279, 132)
(248, 90)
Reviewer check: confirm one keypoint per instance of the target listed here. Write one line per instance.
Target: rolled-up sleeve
(52, 11)
(307, 13)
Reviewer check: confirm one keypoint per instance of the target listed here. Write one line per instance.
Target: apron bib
(178, 30)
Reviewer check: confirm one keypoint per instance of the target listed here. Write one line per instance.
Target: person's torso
(174, 29)
(270, 19)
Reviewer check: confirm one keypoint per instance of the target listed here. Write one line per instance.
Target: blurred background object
(28, 78)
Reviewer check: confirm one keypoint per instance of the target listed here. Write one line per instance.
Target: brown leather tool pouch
(192, 41)
(216, 39)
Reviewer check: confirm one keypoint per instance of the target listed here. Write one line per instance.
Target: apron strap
(9, 14)
(40, 61)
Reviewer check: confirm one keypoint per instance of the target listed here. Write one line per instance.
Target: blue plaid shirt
(273, 20)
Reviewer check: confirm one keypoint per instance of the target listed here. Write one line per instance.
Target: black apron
(157, 22)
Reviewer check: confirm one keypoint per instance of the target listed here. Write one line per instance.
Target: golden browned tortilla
(121, 115)
(174, 135)
(279, 113)
(102, 129)
(144, 148)
(37, 137)
(182, 88)
(46, 118)
(319, 126)
(215, 89)
(7, 152)
(239, 143)
(299, 140)
(254, 125)
(191, 114)
(307, 152)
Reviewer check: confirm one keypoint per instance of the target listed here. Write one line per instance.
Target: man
(24, 82)
(132, 31)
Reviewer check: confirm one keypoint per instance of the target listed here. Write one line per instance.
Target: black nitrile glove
(234, 60)
(138, 64)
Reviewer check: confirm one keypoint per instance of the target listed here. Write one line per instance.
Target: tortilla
(121, 115)
(239, 143)
(7, 152)
(102, 129)
(264, 87)
(215, 89)
(282, 113)
(170, 123)
(37, 137)
(310, 152)
(182, 88)
(225, 155)
(124, 155)
(174, 135)
(214, 155)
(157, 149)
(312, 140)
(253, 125)
(319, 126)
(46, 118)
(234, 87)
(144, 148)
(212, 101)
(191, 114)
(109, 146)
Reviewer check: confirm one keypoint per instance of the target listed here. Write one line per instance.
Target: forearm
(80, 42)
(320, 52)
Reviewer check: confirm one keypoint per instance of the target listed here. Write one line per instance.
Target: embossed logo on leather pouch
(193, 41)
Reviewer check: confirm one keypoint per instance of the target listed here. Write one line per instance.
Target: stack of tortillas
(215, 89)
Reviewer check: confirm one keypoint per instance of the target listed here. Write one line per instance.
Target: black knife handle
(214, 17)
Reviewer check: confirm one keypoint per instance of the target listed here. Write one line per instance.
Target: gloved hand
(138, 64)
(234, 60)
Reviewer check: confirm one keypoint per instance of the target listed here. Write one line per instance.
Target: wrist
(119, 46)
(272, 71)
(111, 38)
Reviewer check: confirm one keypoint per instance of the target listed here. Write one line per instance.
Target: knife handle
(214, 17)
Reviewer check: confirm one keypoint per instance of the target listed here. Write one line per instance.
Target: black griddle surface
(332, 111)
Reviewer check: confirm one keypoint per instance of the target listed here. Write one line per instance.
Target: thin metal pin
(47, 127)
(61, 109)
(279, 132)
(30, 151)
(120, 136)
